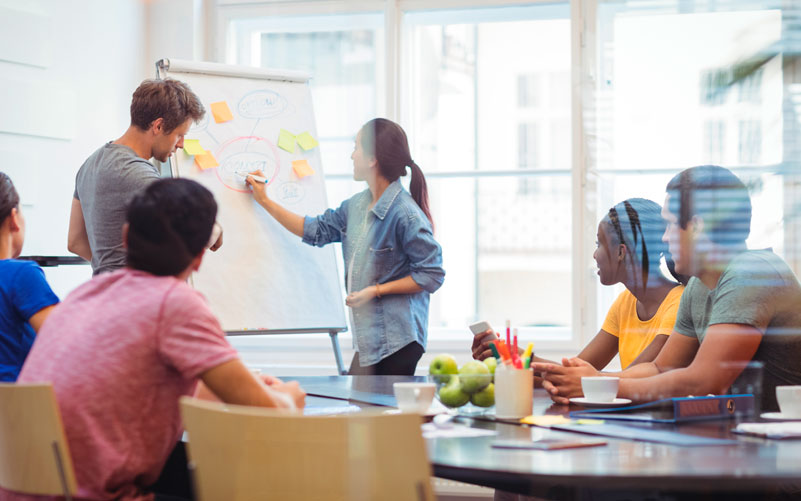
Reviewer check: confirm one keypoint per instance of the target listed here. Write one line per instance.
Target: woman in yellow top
(629, 251)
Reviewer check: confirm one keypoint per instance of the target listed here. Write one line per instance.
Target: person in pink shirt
(124, 347)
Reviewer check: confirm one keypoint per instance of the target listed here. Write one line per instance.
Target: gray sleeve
(747, 295)
(684, 317)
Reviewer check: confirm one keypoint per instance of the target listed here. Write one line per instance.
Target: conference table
(743, 468)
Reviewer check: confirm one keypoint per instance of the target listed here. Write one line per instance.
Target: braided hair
(638, 224)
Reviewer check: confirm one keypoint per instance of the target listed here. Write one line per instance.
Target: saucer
(589, 403)
(778, 416)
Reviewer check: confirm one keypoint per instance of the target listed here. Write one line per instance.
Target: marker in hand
(256, 178)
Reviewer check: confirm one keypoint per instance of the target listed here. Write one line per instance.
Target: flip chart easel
(263, 280)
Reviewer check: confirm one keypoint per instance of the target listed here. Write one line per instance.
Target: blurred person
(740, 304)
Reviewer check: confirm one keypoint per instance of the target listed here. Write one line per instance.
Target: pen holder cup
(514, 393)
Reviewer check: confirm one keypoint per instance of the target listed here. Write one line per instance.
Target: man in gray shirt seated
(740, 305)
(162, 111)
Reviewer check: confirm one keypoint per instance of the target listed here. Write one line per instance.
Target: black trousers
(174, 483)
(401, 363)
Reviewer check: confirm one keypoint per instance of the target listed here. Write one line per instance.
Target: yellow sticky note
(192, 147)
(545, 420)
(221, 112)
(589, 421)
(206, 160)
(302, 168)
(306, 141)
(286, 141)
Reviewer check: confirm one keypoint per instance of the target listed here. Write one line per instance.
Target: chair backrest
(243, 453)
(34, 456)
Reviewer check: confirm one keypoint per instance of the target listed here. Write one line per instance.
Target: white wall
(73, 79)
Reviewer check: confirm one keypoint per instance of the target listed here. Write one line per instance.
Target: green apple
(452, 395)
(443, 364)
(491, 363)
(476, 376)
(485, 397)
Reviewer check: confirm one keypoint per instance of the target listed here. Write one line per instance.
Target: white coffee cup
(600, 388)
(514, 393)
(789, 398)
(414, 397)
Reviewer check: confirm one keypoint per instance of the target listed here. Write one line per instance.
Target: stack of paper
(771, 430)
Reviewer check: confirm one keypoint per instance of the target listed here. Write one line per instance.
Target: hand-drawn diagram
(246, 154)
(291, 193)
(262, 103)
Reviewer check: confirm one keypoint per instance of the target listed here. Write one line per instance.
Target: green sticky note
(306, 141)
(192, 147)
(286, 141)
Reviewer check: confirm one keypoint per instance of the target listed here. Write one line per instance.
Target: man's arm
(718, 362)
(233, 383)
(564, 381)
(77, 239)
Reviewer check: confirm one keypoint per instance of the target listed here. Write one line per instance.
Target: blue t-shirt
(23, 293)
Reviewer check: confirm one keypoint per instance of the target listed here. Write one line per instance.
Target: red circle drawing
(254, 147)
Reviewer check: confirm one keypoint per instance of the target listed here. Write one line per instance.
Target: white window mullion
(583, 54)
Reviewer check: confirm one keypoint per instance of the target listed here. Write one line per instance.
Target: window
(487, 95)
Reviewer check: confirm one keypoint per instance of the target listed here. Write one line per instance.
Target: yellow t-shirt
(634, 335)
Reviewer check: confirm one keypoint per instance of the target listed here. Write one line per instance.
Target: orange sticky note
(206, 160)
(302, 168)
(221, 112)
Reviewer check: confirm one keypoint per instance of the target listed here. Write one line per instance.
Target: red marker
(508, 332)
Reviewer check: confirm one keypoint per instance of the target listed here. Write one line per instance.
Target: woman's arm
(405, 285)
(601, 350)
(38, 318)
(288, 219)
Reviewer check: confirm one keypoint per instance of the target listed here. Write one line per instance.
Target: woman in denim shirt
(392, 262)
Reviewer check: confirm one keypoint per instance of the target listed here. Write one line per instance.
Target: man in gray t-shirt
(162, 111)
(104, 185)
(739, 306)
(756, 289)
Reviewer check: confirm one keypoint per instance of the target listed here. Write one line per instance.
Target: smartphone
(547, 444)
(480, 327)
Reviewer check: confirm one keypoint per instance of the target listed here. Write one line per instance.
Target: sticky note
(589, 421)
(302, 168)
(221, 112)
(306, 141)
(192, 147)
(206, 160)
(286, 141)
(545, 420)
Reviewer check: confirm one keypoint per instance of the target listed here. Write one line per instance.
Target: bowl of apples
(469, 388)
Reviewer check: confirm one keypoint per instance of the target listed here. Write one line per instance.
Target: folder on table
(677, 410)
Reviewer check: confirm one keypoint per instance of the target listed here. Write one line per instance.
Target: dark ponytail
(9, 198)
(387, 142)
(169, 224)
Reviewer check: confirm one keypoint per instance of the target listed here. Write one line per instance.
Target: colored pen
(515, 338)
(256, 178)
(529, 349)
(515, 354)
(495, 350)
(508, 332)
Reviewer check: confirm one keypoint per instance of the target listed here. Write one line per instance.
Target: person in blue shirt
(392, 262)
(25, 297)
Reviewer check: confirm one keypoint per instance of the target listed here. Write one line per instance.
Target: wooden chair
(247, 453)
(34, 456)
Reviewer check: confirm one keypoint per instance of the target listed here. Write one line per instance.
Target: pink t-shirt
(120, 351)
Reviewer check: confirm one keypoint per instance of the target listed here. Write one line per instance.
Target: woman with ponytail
(392, 262)
(629, 251)
(26, 299)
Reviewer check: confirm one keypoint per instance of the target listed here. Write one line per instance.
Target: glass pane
(344, 54)
(489, 89)
(720, 93)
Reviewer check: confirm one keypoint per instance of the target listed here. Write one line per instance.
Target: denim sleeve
(326, 228)
(424, 253)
